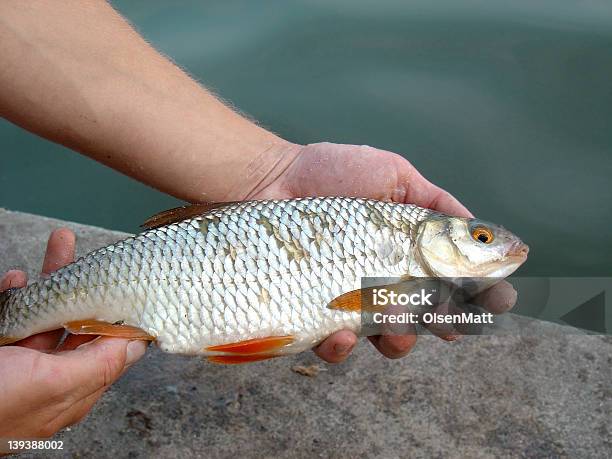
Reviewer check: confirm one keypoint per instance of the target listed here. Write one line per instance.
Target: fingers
(51, 391)
(13, 279)
(60, 250)
(327, 169)
(413, 188)
(442, 201)
(393, 346)
(98, 363)
(498, 299)
(337, 347)
(134, 351)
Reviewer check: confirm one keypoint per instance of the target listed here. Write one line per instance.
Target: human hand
(327, 169)
(41, 393)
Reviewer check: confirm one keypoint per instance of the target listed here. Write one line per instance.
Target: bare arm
(76, 73)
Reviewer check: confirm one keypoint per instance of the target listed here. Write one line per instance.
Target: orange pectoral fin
(99, 327)
(237, 359)
(253, 346)
(349, 301)
(355, 300)
(359, 300)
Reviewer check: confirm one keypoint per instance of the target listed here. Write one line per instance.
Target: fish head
(468, 247)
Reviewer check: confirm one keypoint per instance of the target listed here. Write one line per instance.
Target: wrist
(262, 176)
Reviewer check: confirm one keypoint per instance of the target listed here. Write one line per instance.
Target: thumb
(99, 363)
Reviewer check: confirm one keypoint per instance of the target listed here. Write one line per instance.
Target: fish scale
(243, 271)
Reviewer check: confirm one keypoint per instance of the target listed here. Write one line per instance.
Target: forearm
(76, 73)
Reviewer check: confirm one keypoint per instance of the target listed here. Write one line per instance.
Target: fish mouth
(518, 251)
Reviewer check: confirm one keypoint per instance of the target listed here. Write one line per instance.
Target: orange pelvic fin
(237, 359)
(4, 340)
(253, 346)
(99, 327)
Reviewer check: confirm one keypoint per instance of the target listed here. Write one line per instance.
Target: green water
(506, 104)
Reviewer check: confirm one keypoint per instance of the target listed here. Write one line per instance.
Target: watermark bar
(478, 306)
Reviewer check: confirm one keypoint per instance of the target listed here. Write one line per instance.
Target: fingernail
(342, 349)
(135, 350)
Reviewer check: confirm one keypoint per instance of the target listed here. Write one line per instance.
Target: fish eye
(482, 234)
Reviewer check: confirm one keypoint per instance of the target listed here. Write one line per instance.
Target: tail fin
(4, 305)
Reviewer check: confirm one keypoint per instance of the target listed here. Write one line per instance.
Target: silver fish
(253, 280)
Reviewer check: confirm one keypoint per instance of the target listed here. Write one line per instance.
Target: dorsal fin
(181, 213)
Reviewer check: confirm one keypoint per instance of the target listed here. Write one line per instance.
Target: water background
(506, 104)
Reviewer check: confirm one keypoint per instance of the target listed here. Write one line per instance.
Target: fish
(247, 281)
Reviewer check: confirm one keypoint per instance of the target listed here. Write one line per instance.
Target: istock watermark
(477, 306)
(384, 297)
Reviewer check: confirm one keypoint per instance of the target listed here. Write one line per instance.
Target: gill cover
(468, 247)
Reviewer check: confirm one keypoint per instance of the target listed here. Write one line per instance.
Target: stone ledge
(543, 395)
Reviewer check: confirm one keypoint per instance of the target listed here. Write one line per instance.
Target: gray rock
(543, 395)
